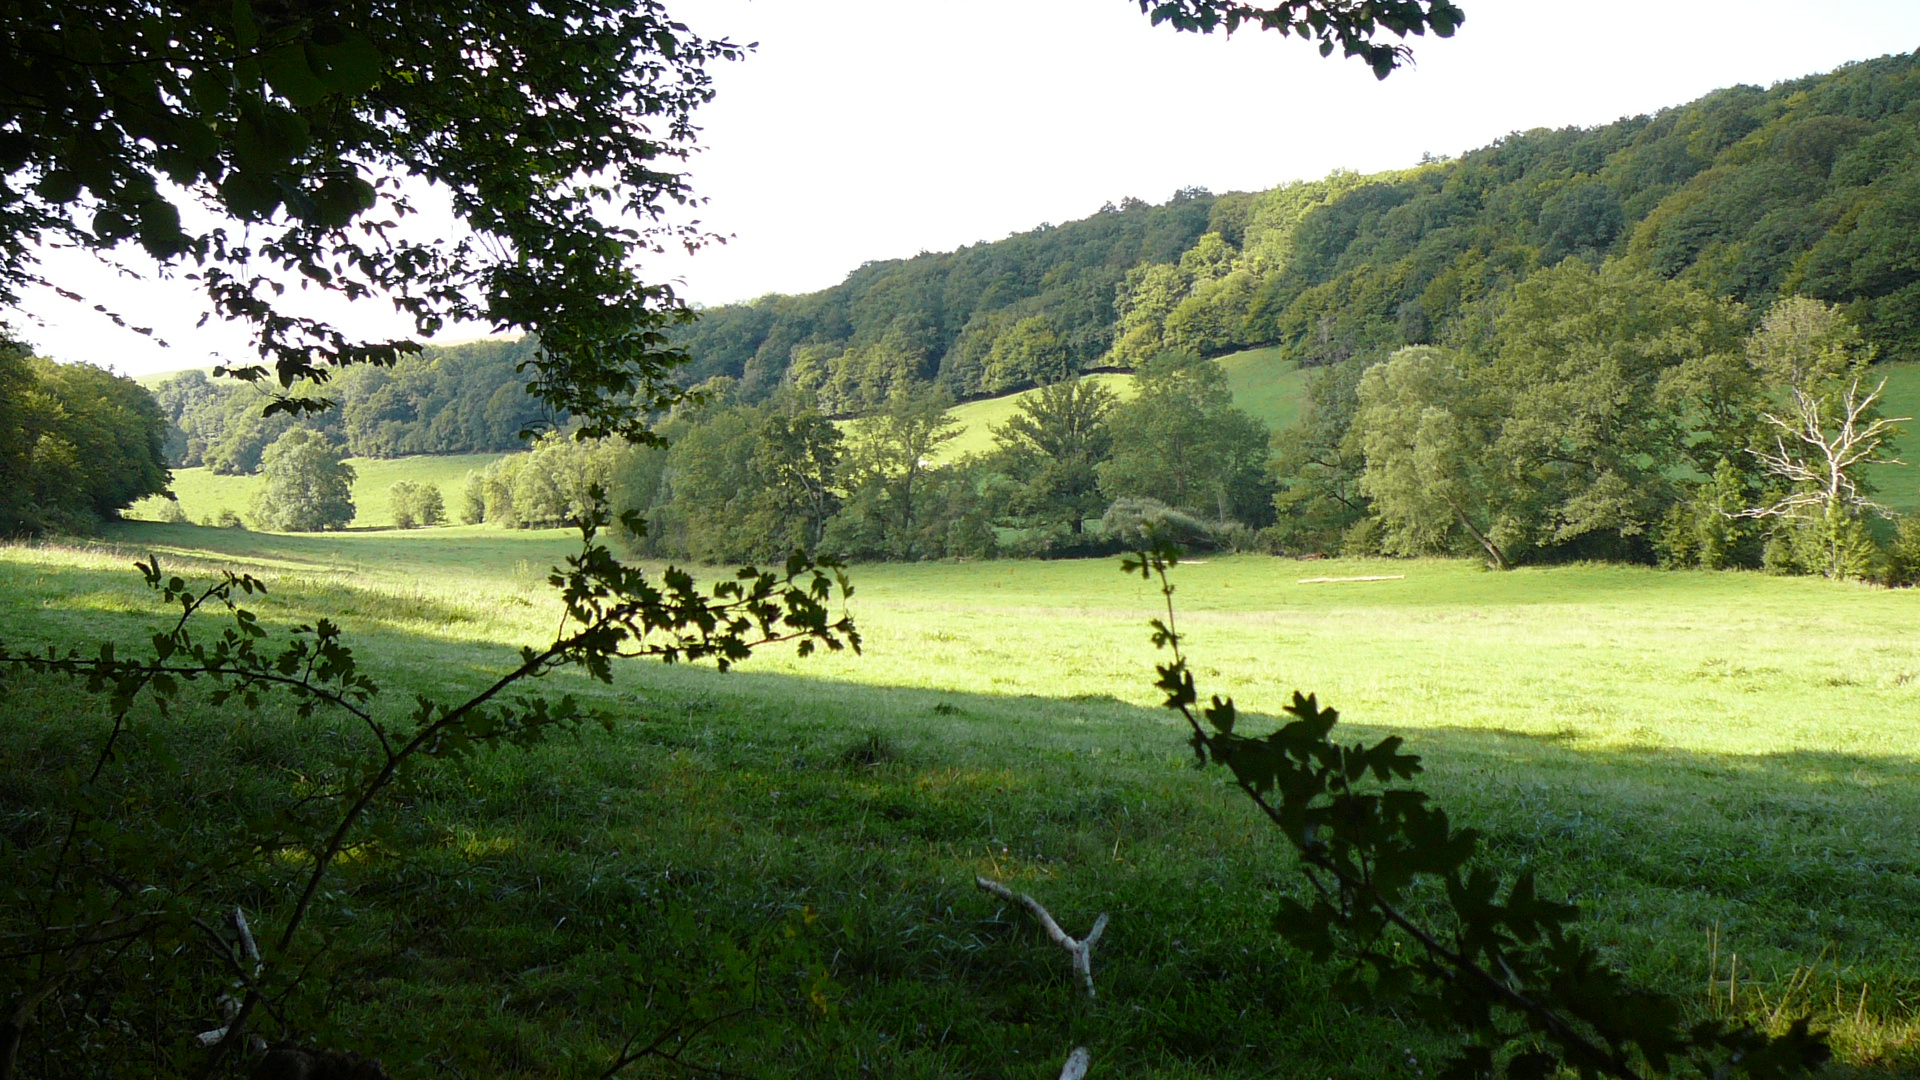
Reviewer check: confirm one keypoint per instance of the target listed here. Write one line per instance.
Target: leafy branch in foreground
(1351, 26)
(107, 891)
(1530, 995)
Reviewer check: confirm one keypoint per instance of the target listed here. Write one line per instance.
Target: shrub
(413, 504)
(1838, 545)
(1137, 520)
(1903, 557)
(401, 497)
(1362, 538)
(473, 499)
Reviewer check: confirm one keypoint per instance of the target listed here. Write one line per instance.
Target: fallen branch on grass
(1081, 951)
(1338, 580)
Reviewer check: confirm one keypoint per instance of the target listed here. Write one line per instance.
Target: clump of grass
(872, 749)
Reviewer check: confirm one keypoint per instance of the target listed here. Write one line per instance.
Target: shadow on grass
(722, 807)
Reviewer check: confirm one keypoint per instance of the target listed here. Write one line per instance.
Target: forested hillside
(1570, 344)
(460, 399)
(1811, 187)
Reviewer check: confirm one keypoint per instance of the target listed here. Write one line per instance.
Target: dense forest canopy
(1809, 187)
(77, 444)
(458, 399)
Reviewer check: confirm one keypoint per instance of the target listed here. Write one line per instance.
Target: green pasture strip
(1269, 388)
(1898, 486)
(1679, 752)
(1266, 386)
(203, 493)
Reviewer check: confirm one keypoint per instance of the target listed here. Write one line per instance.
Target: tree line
(459, 399)
(1075, 470)
(1596, 412)
(1605, 413)
(1744, 196)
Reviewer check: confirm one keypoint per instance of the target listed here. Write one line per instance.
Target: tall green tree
(888, 462)
(1428, 435)
(1052, 449)
(1317, 463)
(77, 444)
(305, 486)
(1578, 361)
(1182, 441)
(794, 466)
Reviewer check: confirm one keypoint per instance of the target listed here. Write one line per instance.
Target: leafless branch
(1081, 951)
(1818, 452)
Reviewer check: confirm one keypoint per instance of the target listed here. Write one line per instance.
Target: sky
(877, 129)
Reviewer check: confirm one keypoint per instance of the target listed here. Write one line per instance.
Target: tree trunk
(1492, 550)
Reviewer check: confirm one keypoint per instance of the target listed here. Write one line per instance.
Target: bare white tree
(1819, 448)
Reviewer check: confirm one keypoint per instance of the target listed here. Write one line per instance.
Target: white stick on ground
(246, 939)
(230, 1005)
(1077, 1062)
(1081, 951)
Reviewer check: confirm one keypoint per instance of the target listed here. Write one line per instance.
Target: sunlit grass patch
(1675, 752)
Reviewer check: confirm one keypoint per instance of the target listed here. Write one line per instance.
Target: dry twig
(1081, 951)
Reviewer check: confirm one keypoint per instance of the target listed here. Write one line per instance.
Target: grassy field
(203, 493)
(1899, 485)
(1262, 384)
(1268, 387)
(1685, 754)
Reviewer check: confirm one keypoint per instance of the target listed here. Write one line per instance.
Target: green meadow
(1719, 768)
(1899, 485)
(1263, 384)
(203, 493)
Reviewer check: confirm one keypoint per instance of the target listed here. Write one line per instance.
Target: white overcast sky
(874, 129)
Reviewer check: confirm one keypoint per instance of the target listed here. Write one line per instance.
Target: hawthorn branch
(1460, 965)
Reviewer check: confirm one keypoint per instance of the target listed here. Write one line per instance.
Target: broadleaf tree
(1182, 441)
(304, 485)
(1052, 449)
(265, 145)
